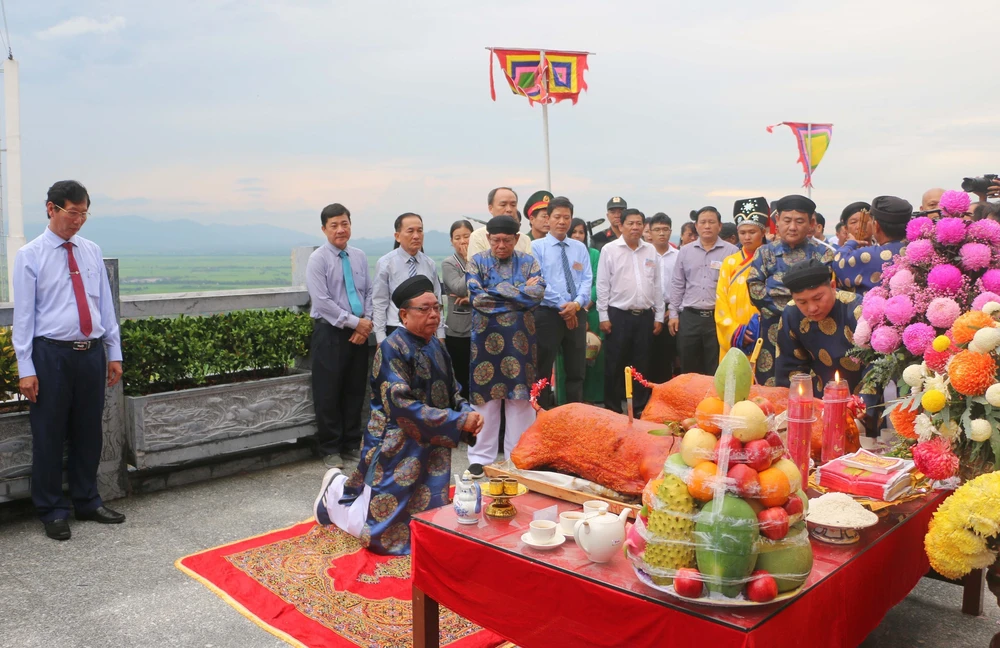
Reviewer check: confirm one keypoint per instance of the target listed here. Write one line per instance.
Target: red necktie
(86, 326)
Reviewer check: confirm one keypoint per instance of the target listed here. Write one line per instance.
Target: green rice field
(166, 274)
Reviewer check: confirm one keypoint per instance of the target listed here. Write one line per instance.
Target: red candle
(835, 398)
(800, 420)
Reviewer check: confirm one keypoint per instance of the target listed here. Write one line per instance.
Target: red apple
(758, 454)
(735, 446)
(773, 522)
(762, 587)
(746, 481)
(688, 583)
(764, 404)
(777, 447)
(794, 505)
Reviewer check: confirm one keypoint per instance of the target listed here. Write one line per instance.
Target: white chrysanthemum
(936, 381)
(949, 429)
(993, 395)
(914, 376)
(924, 427)
(987, 338)
(981, 430)
(991, 307)
(975, 348)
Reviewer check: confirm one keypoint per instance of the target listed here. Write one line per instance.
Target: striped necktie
(570, 285)
(411, 269)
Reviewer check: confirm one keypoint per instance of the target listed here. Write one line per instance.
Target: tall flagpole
(545, 121)
(808, 150)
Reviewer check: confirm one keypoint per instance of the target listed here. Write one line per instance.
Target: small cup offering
(509, 486)
(496, 486)
(542, 531)
(595, 506)
(568, 520)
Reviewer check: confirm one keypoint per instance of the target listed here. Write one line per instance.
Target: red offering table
(559, 598)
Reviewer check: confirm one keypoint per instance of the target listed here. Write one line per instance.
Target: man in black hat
(817, 328)
(858, 266)
(616, 207)
(418, 416)
(794, 216)
(538, 215)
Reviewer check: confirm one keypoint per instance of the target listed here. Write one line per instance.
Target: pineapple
(670, 542)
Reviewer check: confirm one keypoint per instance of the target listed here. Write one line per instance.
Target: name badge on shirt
(577, 266)
(650, 263)
(716, 265)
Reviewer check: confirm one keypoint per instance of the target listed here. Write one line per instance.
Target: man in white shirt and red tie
(68, 348)
(630, 308)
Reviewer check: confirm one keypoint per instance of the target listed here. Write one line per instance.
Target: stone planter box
(15, 456)
(176, 427)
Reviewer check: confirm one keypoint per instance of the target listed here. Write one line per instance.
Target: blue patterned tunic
(768, 293)
(417, 415)
(860, 268)
(504, 354)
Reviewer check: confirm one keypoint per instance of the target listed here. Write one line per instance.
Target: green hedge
(181, 352)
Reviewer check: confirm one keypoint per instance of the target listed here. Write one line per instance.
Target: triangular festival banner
(813, 141)
(559, 76)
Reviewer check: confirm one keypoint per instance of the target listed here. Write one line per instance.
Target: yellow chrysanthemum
(933, 401)
(956, 542)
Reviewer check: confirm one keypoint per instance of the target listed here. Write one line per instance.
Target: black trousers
(628, 345)
(553, 336)
(459, 348)
(697, 343)
(69, 408)
(339, 377)
(661, 366)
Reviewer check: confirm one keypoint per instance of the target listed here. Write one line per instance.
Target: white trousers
(519, 414)
(351, 518)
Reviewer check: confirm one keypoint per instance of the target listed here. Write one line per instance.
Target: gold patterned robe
(735, 314)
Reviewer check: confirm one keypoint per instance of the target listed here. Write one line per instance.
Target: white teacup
(595, 506)
(542, 531)
(568, 520)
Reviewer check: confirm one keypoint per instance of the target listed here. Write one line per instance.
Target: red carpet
(315, 586)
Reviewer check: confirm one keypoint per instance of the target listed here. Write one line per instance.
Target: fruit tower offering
(725, 518)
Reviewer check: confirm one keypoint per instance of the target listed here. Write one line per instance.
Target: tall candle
(800, 421)
(835, 397)
(628, 382)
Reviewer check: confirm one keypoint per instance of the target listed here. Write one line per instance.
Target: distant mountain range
(136, 236)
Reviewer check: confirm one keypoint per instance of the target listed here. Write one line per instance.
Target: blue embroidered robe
(860, 268)
(417, 415)
(504, 354)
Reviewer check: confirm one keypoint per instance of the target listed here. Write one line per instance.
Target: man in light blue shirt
(406, 261)
(568, 277)
(340, 291)
(68, 347)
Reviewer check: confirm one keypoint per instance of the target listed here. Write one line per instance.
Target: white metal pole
(545, 128)
(15, 210)
(808, 149)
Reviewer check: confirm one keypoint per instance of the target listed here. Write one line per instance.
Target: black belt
(634, 311)
(76, 345)
(700, 312)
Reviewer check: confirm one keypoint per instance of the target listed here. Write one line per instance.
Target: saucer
(568, 536)
(556, 541)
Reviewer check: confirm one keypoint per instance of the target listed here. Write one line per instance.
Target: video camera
(978, 185)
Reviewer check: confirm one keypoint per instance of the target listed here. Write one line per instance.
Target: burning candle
(835, 398)
(800, 421)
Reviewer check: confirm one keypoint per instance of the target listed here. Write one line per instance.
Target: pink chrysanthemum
(901, 282)
(983, 299)
(918, 228)
(991, 280)
(986, 230)
(899, 310)
(954, 203)
(873, 308)
(919, 251)
(945, 278)
(917, 337)
(950, 231)
(975, 256)
(885, 339)
(935, 459)
(877, 291)
(862, 332)
(943, 311)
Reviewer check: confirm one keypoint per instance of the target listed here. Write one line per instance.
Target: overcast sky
(264, 111)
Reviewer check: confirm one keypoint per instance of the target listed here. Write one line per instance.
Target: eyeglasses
(660, 230)
(436, 308)
(84, 215)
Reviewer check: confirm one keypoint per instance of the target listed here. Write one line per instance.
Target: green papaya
(734, 363)
(788, 560)
(726, 539)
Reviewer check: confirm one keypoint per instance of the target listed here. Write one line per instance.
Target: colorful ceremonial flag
(813, 140)
(556, 77)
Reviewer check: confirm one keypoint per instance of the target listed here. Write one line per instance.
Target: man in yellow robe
(737, 321)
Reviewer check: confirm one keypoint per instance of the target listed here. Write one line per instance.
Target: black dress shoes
(58, 529)
(102, 514)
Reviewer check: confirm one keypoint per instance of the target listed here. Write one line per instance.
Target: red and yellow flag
(813, 140)
(542, 79)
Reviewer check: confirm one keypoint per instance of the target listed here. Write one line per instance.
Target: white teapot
(601, 535)
(468, 499)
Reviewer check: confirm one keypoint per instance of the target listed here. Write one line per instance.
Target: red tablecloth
(486, 574)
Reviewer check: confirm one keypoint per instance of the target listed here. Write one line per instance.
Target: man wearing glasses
(505, 286)
(68, 348)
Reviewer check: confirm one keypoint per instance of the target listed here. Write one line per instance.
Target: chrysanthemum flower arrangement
(964, 531)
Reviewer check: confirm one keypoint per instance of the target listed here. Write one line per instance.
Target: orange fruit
(702, 481)
(708, 408)
(774, 487)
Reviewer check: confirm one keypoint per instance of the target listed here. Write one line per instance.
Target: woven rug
(313, 585)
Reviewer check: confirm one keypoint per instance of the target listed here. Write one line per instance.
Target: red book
(843, 475)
